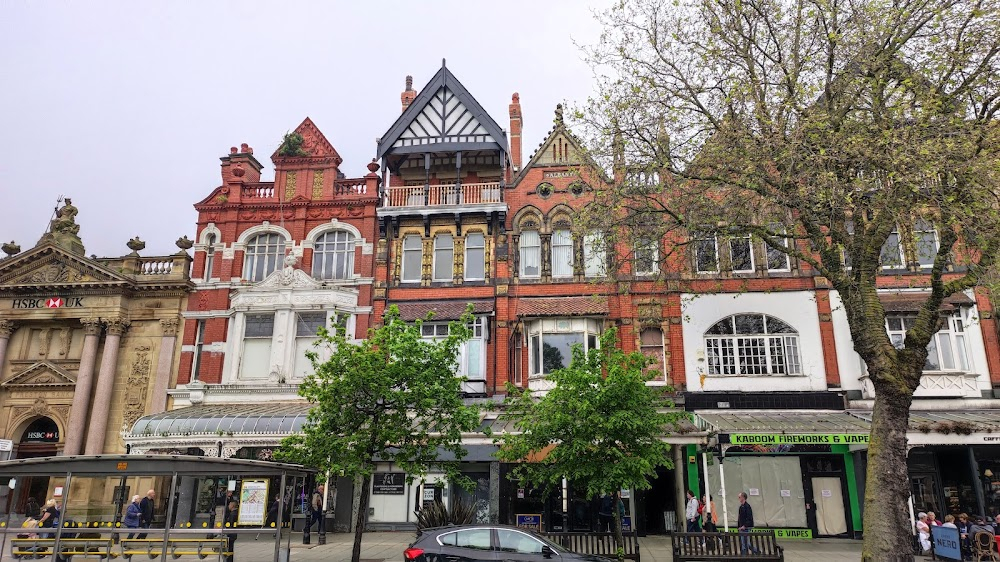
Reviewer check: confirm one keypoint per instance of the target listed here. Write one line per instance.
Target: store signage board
(389, 483)
(798, 438)
(531, 521)
(946, 542)
(781, 533)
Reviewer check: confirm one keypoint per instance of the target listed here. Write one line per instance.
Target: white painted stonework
(968, 385)
(797, 309)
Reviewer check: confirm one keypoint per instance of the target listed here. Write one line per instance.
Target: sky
(126, 107)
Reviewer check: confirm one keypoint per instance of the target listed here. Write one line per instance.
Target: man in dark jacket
(146, 507)
(745, 523)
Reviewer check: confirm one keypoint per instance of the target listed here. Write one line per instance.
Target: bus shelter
(201, 507)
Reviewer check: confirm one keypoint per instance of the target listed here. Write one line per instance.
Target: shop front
(797, 469)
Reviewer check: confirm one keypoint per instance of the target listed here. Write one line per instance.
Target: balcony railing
(444, 195)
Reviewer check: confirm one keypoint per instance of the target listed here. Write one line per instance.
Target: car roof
(434, 531)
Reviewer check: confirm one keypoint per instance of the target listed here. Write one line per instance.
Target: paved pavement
(379, 547)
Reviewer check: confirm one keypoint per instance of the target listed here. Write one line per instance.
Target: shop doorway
(40, 439)
(831, 519)
(657, 507)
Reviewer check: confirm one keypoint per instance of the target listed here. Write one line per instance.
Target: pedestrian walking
(691, 513)
(745, 523)
(232, 516)
(133, 515)
(146, 508)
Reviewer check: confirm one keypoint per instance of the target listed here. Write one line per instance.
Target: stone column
(163, 363)
(84, 383)
(6, 330)
(105, 386)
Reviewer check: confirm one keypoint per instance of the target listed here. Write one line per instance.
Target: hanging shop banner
(253, 503)
(796, 438)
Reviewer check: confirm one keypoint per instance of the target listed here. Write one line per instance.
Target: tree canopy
(600, 426)
(392, 396)
(839, 133)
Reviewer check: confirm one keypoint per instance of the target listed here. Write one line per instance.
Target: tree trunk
(359, 528)
(617, 526)
(887, 530)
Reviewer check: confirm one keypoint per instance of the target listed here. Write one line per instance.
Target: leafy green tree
(393, 396)
(833, 132)
(601, 427)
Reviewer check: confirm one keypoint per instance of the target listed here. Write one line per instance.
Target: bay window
(551, 341)
(307, 325)
(948, 350)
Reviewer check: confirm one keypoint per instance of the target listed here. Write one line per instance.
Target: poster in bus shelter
(253, 503)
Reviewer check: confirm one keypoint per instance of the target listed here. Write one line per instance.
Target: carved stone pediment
(41, 374)
(49, 266)
(287, 278)
(292, 287)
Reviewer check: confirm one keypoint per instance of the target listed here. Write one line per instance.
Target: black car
(488, 543)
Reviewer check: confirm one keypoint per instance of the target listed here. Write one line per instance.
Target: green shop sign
(782, 533)
(798, 439)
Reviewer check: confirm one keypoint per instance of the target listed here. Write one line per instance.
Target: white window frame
(209, 256)
(336, 251)
(900, 249)
(725, 353)
(535, 331)
(565, 241)
(433, 331)
(304, 341)
(954, 333)
(418, 250)
(749, 246)
(652, 247)
(767, 257)
(243, 374)
(444, 257)
(699, 240)
(595, 260)
(470, 250)
(922, 227)
(262, 247)
(535, 250)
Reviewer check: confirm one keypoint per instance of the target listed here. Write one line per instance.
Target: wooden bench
(601, 544)
(152, 548)
(726, 546)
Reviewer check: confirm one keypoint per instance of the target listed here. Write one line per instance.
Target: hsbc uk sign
(48, 302)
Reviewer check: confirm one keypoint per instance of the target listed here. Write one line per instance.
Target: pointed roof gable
(51, 266)
(560, 148)
(443, 114)
(314, 142)
(42, 373)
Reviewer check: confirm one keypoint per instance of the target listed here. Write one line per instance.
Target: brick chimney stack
(408, 94)
(515, 131)
(240, 166)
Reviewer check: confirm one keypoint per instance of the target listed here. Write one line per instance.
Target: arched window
(531, 254)
(562, 253)
(264, 253)
(209, 256)
(333, 255)
(752, 344)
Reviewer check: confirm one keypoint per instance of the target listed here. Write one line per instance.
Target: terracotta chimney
(240, 166)
(408, 94)
(515, 131)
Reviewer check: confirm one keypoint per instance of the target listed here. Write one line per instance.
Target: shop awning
(443, 310)
(786, 428)
(228, 419)
(951, 427)
(562, 306)
(913, 301)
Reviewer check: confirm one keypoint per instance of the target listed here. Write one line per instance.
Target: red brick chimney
(515, 131)
(408, 94)
(240, 166)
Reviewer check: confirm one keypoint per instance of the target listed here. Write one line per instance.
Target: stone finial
(559, 114)
(516, 98)
(11, 248)
(233, 150)
(184, 243)
(135, 245)
(373, 166)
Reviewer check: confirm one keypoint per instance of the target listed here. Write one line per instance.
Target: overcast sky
(126, 107)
